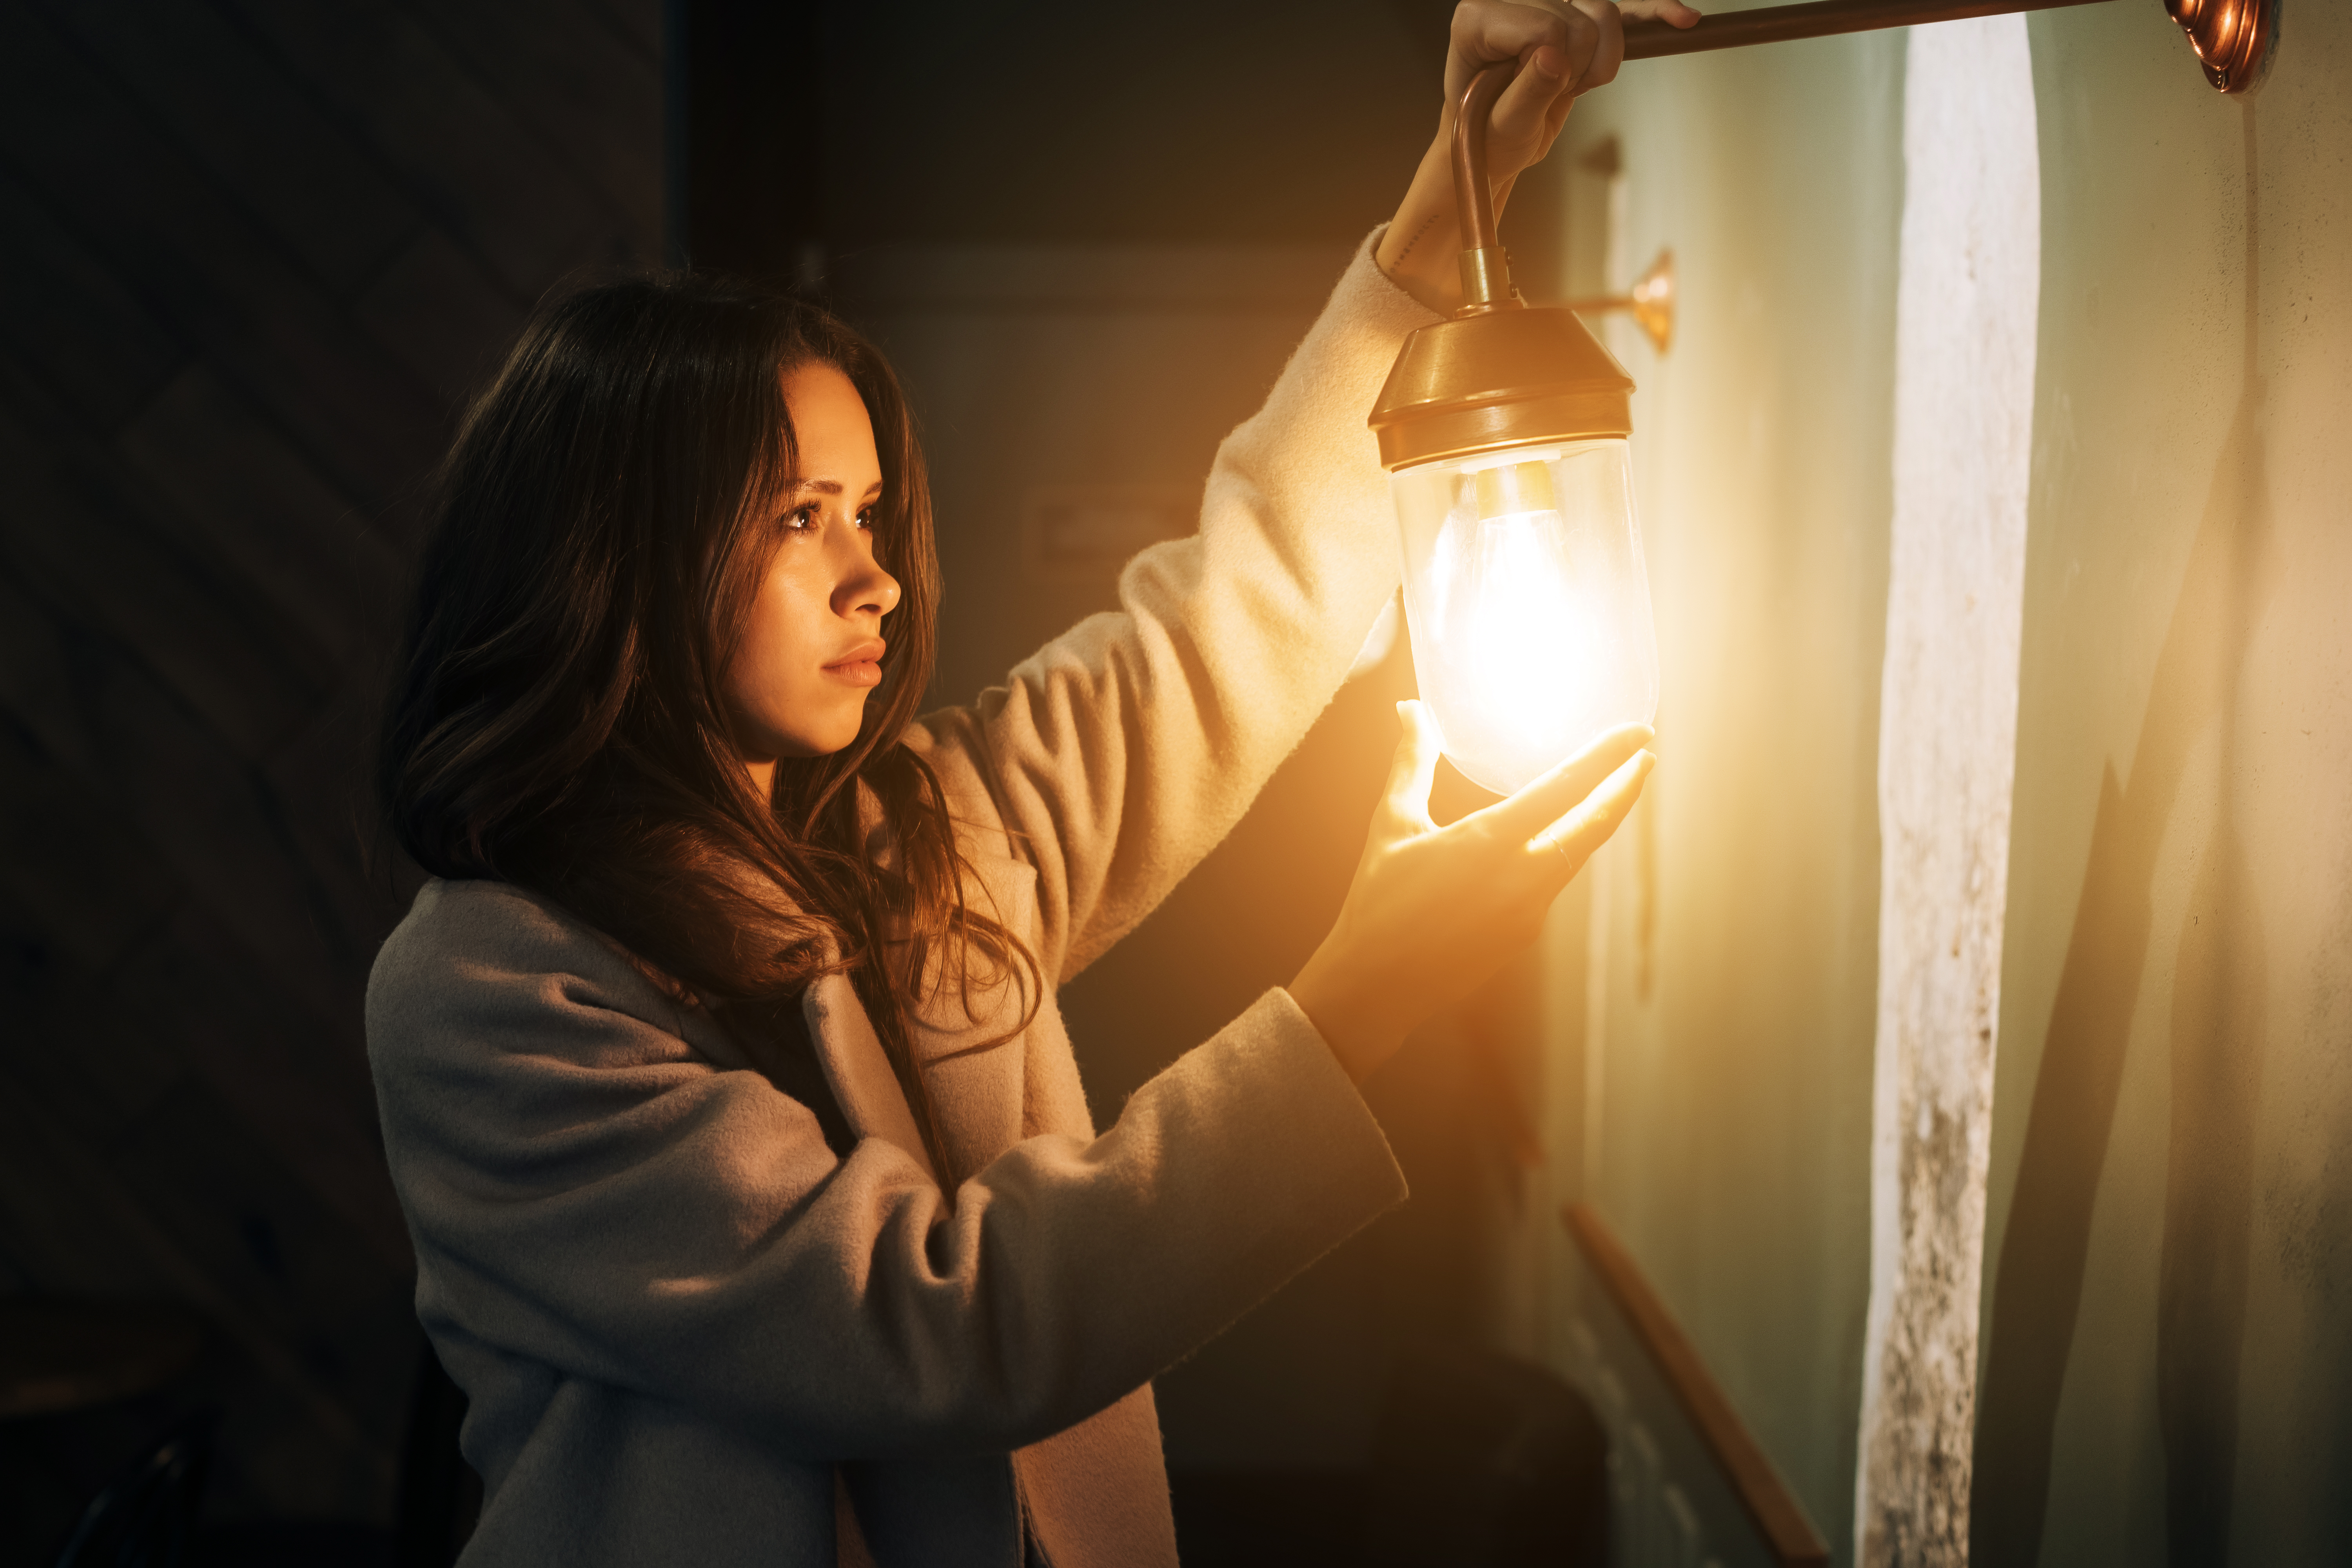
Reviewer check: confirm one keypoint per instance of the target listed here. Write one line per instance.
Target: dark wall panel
(257, 255)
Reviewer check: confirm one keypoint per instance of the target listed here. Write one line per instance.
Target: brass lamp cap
(1500, 377)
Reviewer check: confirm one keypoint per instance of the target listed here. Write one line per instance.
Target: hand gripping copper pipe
(1485, 271)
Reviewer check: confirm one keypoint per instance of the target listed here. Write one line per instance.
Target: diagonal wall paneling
(257, 253)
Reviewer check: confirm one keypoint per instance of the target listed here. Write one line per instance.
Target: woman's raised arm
(1123, 750)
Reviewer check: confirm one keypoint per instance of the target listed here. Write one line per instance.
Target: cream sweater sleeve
(1124, 750)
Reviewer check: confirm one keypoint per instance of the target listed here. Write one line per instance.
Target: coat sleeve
(587, 1191)
(1123, 750)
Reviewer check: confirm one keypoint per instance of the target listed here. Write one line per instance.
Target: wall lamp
(1503, 430)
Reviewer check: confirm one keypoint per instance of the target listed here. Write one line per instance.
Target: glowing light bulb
(1529, 603)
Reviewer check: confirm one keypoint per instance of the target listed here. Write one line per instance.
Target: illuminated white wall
(2167, 1257)
(1726, 981)
(1964, 346)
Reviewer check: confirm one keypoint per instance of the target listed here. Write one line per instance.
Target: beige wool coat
(690, 1333)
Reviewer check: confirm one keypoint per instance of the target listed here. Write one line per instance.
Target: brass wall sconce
(1651, 302)
(1503, 430)
(2230, 38)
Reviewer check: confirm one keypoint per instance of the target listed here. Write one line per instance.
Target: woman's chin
(824, 741)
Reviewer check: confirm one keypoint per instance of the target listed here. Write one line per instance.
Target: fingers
(1669, 11)
(1559, 851)
(1415, 767)
(1523, 115)
(1486, 32)
(1540, 804)
(1570, 50)
(1599, 68)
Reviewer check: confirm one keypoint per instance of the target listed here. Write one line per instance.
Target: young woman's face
(798, 684)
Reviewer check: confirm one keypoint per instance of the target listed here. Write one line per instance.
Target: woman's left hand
(1562, 50)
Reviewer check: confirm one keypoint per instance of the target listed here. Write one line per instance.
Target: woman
(756, 1203)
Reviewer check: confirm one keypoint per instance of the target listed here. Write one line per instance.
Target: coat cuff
(1371, 297)
(1346, 1173)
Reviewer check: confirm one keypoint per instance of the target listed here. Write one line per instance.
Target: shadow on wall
(2218, 1043)
(1296, 1387)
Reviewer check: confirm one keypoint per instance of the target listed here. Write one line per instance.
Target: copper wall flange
(1651, 302)
(2230, 38)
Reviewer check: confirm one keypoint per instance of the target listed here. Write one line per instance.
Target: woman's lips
(861, 666)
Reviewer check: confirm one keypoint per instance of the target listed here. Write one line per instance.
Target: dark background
(257, 253)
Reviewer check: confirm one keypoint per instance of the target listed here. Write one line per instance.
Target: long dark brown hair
(557, 721)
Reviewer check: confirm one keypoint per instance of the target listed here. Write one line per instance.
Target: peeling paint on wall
(1967, 309)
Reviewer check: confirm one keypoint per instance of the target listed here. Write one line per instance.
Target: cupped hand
(1432, 911)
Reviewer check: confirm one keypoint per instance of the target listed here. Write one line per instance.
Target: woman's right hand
(1432, 911)
(1564, 48)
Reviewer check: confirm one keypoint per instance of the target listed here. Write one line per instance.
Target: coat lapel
(856, 1068)
(977, 1089)
(978, 1096)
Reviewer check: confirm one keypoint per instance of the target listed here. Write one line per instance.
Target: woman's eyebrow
(834, 488)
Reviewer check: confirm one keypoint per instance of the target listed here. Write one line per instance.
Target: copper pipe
(1822, 19)
(1485, 276)
(1476, 199)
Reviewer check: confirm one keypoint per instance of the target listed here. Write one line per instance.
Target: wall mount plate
(2231, 37)
(1651, 302)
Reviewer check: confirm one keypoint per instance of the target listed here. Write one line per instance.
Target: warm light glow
(1529, 635)
(1529, 603)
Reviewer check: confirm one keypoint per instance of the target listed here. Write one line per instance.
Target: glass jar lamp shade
(1503, 430)
(1529, 603)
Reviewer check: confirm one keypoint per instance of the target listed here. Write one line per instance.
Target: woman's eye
(802, 518)
(865, 519)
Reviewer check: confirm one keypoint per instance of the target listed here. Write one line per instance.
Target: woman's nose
(866, 588)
